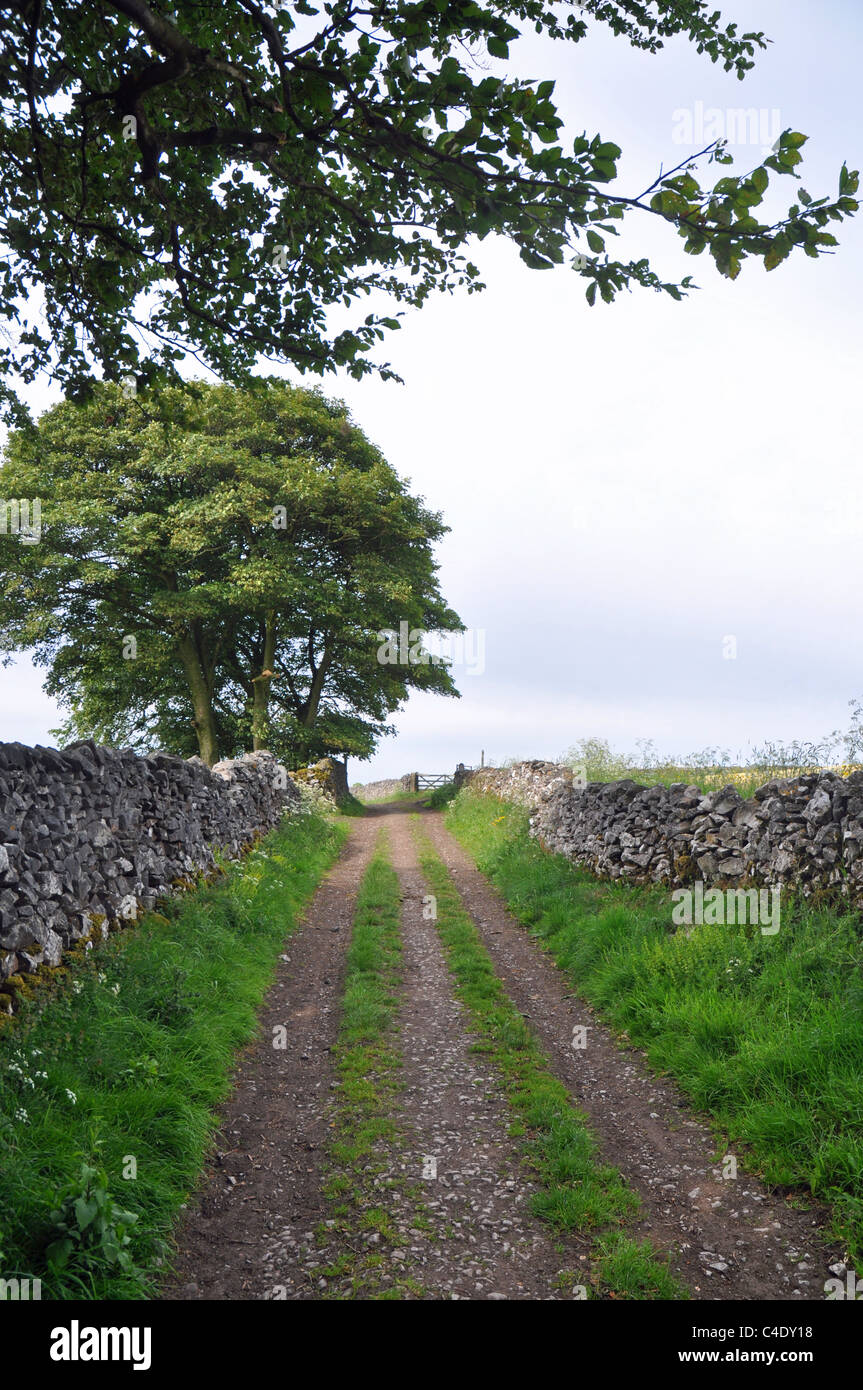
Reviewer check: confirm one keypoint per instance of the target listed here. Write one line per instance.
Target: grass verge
(109, 1088)
(577, 1191)
(764, 1034)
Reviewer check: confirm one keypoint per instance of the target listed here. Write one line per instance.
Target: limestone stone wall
(98, 834)
(390, 786)
(329, 775)
(806, 831)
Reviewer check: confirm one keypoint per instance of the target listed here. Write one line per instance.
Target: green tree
(217, 176)
(217, 563)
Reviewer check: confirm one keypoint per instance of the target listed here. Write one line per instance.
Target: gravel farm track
(257, 1226)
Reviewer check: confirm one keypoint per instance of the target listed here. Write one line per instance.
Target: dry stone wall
(90, 835)
(391, 786)
(329, 775)
(806, 831)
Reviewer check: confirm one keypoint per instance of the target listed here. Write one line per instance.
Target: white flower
(115, 989)
(77, 986)
(71, 1094)
(21, 1116)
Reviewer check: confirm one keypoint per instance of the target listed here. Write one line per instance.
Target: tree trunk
(316, 689)
(202, 701)
(261, 688)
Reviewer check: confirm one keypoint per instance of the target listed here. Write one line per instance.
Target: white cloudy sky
(629, 485)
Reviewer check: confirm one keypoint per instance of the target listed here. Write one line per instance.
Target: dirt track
(256, 1229)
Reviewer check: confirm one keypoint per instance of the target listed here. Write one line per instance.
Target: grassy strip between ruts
(763, 1033)
(108, 1088)
(369, 1067)
(577, 1192)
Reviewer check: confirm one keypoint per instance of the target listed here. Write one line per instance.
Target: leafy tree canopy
(214, 569)
(220, 176)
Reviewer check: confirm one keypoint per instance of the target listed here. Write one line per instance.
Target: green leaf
(85, 1212)
(535, 261)
(779, 251)
(58, 1252)
(760, 179)
(449, 69)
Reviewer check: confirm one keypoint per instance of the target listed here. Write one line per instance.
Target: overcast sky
(629, 486)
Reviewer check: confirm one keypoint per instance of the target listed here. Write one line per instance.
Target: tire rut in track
(261, 1194)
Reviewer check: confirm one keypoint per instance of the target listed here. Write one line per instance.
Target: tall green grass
(714, 768)
(122, 1069)
(764, 1034)
(441, 796)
